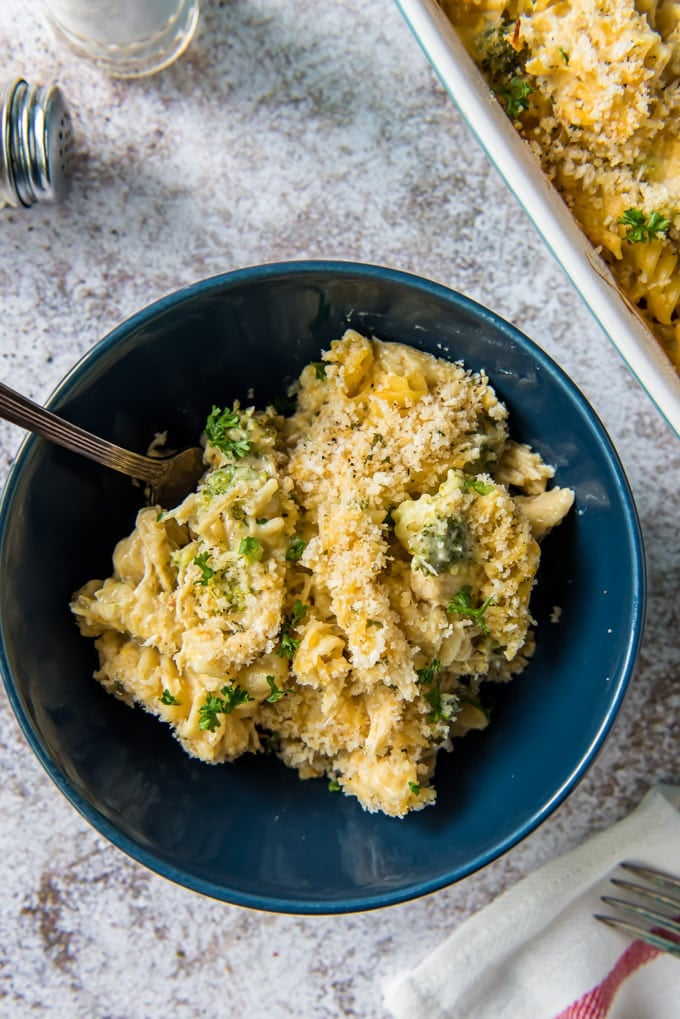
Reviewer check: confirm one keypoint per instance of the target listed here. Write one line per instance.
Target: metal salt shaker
(36, 142)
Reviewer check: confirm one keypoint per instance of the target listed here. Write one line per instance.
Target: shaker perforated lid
(36, 143)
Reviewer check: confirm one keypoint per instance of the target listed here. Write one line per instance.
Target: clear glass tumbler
(126, 38)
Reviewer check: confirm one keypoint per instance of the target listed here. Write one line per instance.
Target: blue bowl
(252, 833)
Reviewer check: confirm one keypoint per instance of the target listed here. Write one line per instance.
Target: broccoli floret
(499, 60)
(443, 542)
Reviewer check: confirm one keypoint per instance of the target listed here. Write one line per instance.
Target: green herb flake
(299, 612)
(334, 786)
(515, 96)
(218, 429)
(167, 698)
(428, 673)
(208, 712)
(261, 521)
(641, 228)
(434, 698)
(289, 644)
(238, 448)
(296, 547)
(232, 696)
(461, 604)
(251, 549)
(275, 693)
(563, 54)
(374, 622)
(415, 788)
(206, 571)
(319, 369)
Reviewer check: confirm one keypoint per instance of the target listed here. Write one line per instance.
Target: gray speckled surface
(287, 130)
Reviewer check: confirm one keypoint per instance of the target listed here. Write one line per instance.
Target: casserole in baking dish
(487, 115)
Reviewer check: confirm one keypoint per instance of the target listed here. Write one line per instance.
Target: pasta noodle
(592, 85)
(342, 581)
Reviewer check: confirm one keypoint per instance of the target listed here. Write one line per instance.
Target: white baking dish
(549, 214)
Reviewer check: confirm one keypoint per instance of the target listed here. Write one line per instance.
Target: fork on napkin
(537, 953)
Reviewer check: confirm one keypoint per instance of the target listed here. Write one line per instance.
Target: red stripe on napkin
(596, 1003)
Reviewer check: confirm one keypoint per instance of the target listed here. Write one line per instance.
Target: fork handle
(19, 410)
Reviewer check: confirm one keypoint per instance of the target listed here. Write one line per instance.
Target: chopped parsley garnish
(218, 427)
(299, 612)
(461, 604)
(378, 438)
(296, 547)
(251, 549)
(563, 54)
(319, 369)
(515, 96)
(206, 571)
(428, 673)
(374, 622)
(275, 693)
(641, 228)
(442, 704)
(167, 698)
(232, 696)
(476, 485)
(220, 421)
(208, 712)
(238, 448)
(415, 788)
(290, 644)
(261, 521)
(334, 786)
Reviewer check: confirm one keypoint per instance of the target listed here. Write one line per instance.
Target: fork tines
(654, 912)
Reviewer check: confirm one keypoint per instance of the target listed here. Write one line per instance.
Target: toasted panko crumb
(342, 582)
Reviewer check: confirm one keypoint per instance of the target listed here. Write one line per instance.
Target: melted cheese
(340, 591)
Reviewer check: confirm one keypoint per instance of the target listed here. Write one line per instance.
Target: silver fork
(654, 908)
(170, 478)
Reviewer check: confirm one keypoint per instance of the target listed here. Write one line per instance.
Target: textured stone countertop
(289, 129)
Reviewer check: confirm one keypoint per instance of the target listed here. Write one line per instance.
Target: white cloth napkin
(537, 953)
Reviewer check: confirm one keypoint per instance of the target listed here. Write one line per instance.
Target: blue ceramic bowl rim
(633, 534)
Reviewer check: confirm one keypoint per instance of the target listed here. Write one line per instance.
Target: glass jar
(126, 38)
